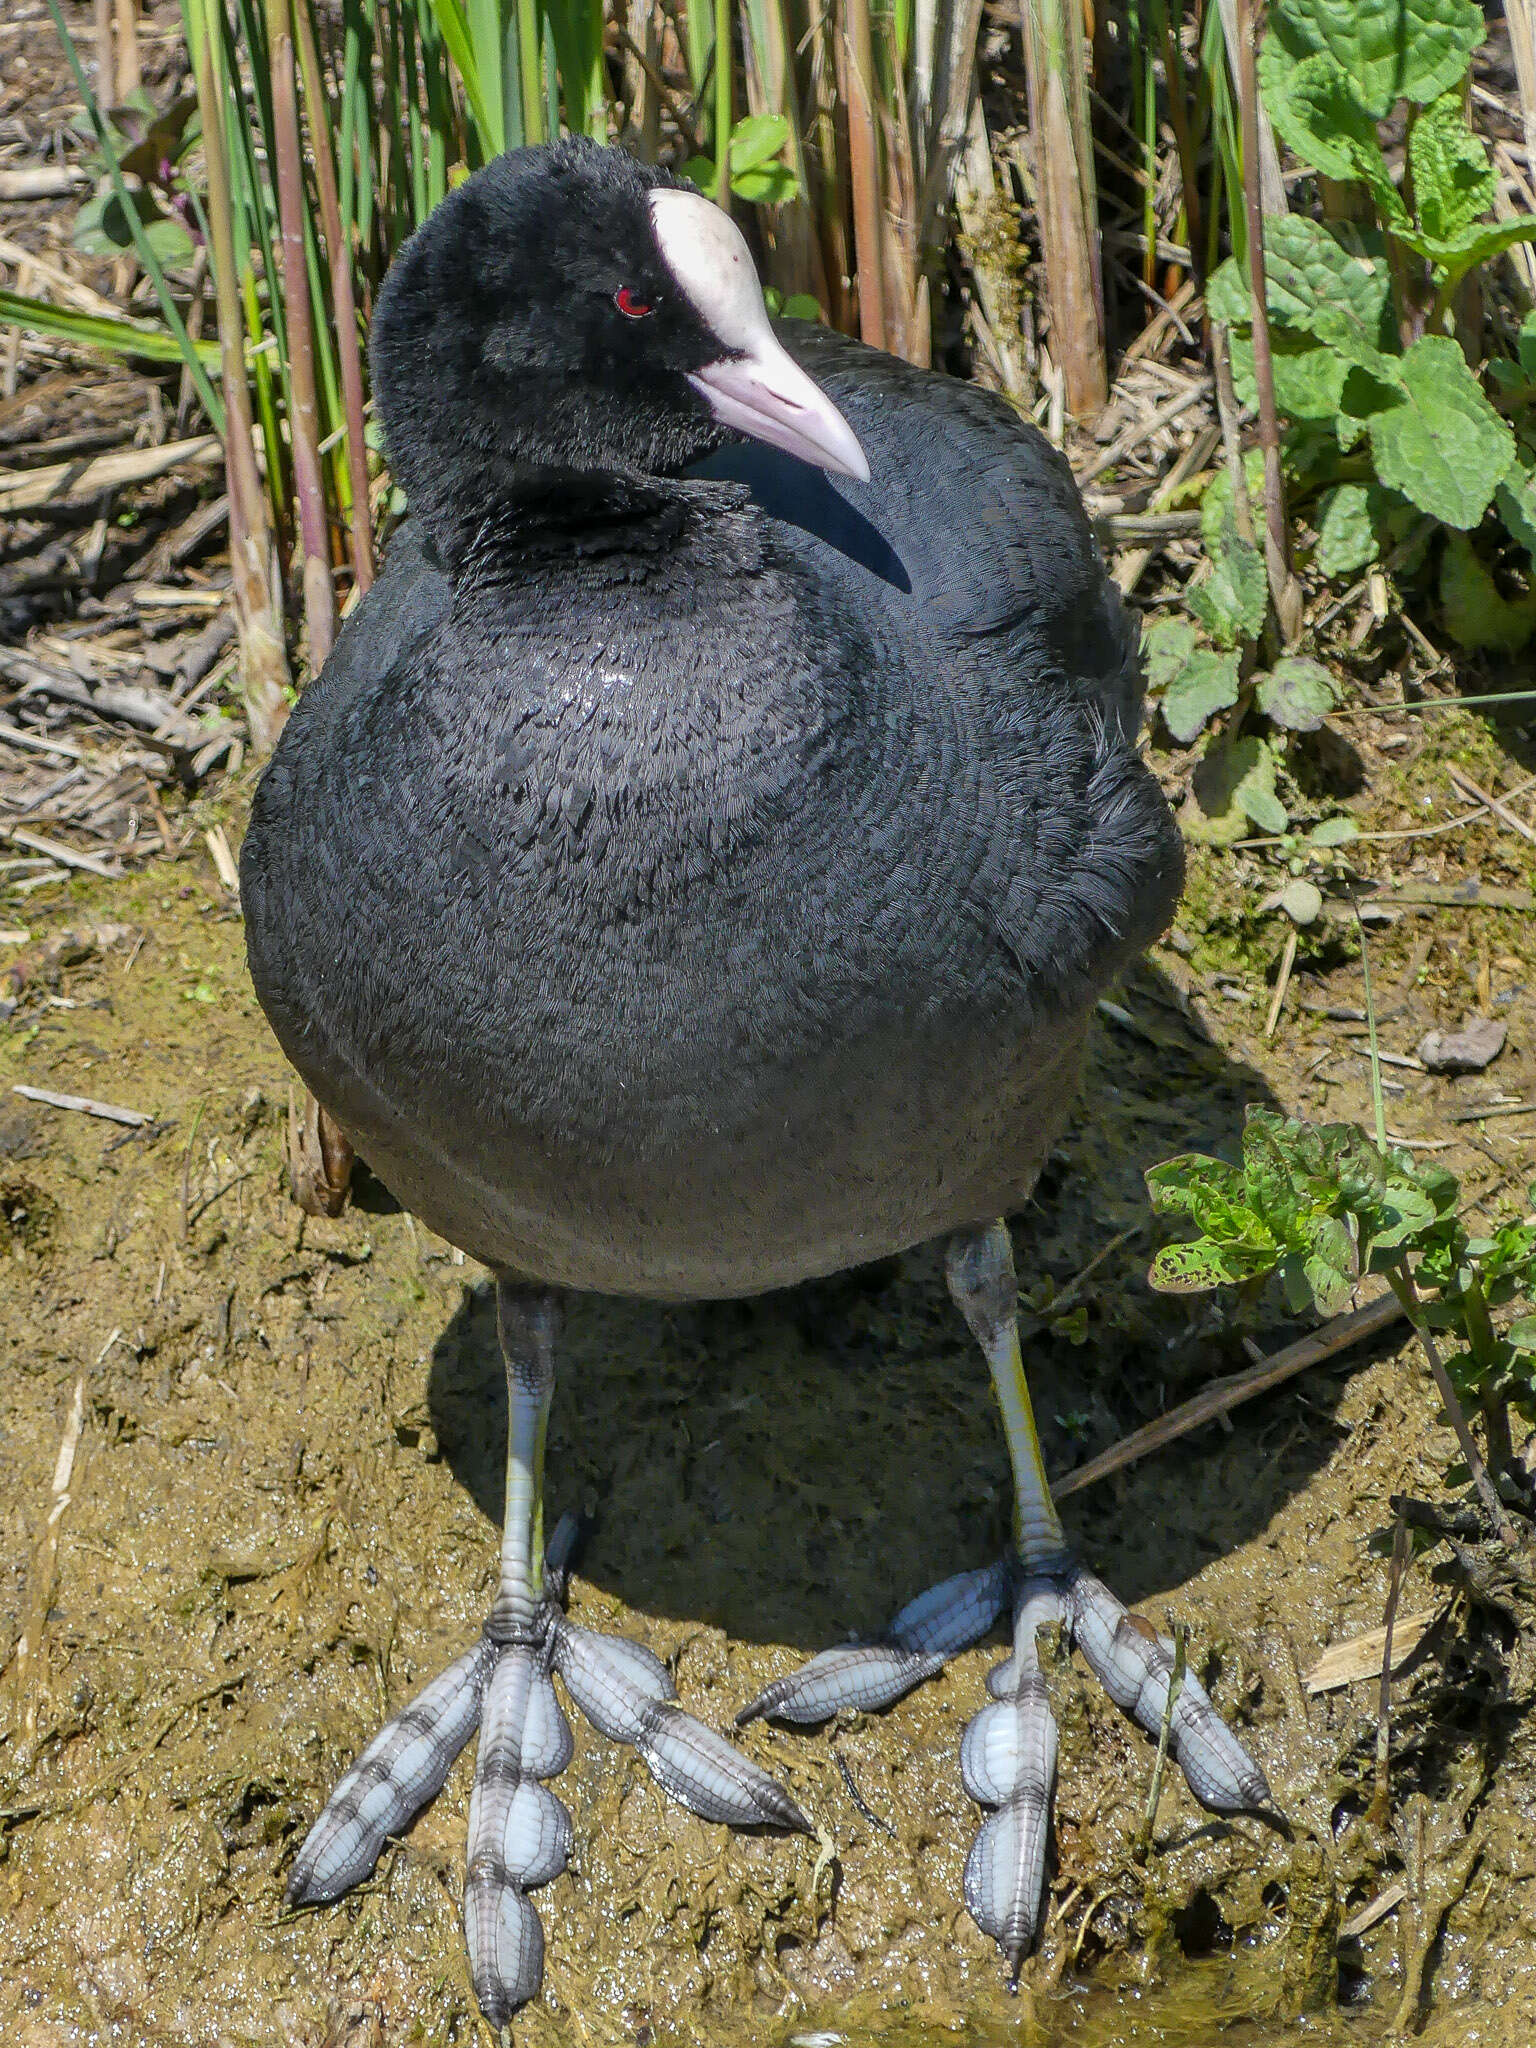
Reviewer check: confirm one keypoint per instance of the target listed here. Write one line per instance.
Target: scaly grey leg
(1008, 1757)
(519, 1833)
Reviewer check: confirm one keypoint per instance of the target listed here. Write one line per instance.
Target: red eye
(631, 307)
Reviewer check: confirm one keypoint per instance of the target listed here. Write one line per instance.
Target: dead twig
(86, 1104)
(1336, 1336)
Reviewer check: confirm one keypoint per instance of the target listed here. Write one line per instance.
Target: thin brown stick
(1402, 1286)
(1336, 1336)
(1499, 808)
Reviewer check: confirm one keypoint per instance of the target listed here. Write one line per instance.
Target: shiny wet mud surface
(281, 1519)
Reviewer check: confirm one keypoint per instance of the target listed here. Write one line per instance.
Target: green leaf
(1237, 782)
(1194, 1184)
(1390, 49)
(1347, 532)
(1192, 1268)
(1232, 602)
(1298, 693)
(1475, 245)
(1302, 902)
(1477, 614)
(1331, 282)
(1218, 523)
(1453, 181)
(1227, 297)
(1334, 832)
(755, 139)
(1206, 684)
(1309, 376)
(102, 229)
(1441, 443)
(1166, 646)
(765, 185)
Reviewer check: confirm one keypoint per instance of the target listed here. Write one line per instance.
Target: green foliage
(1319, 1206)
(758, 176)
(1388, 420)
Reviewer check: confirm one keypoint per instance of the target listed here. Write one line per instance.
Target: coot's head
(570, 307)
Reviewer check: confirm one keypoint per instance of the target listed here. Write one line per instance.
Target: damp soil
(281, 1518)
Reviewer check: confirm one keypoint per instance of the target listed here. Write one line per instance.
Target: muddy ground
(281, 1519)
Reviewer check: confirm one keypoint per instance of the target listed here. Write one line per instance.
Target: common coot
(693, 872)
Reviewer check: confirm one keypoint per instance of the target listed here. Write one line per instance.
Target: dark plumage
(692, 873)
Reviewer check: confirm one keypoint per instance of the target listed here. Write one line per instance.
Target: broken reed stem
(1381, 1799)
(1401, 1281)
(1061, 138)
(344, 304)
(1283, 587)
(253, 558)
(304, 410)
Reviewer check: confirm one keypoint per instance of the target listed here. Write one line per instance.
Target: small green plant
(1318, 1207)
(1393, 430)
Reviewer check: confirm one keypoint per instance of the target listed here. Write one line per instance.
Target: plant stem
(303, 414)
(1381, 1798)
(339, 256)
(1401, 1282)
(725, 78)
(253, 564)
(1283, 587)
(864, 173)
(1143, 1844)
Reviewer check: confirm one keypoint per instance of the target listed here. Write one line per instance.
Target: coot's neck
(501, 508)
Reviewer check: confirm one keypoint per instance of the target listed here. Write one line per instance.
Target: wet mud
(280, 1518)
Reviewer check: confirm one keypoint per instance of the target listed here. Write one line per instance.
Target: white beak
(757, 389)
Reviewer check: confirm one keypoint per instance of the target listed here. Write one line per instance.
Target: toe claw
(628, 1695)
(1134, 1664)
(399, 1771)
(865, 1677)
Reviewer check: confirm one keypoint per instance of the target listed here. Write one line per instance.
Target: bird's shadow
(792, 1468)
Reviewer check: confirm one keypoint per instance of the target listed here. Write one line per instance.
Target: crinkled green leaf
(1226, 294)
(1297, 693)
(1238, 781)
(1233, 600)
(1193, 1184)
(1166, 646)
(1193, 1268)
(1309, 376)
(1330, 281)
(1477, 614)
(1348, 536)
(1475, 245)
(1218, 522)
(1207, 683)
(1441, 443)
(1315, 109)
(1389, 49)
(1453, 180)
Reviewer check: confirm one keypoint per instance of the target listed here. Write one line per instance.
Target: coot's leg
(1008, 1756)
(519, 1834)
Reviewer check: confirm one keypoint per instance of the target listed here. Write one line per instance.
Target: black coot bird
(693, 872)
